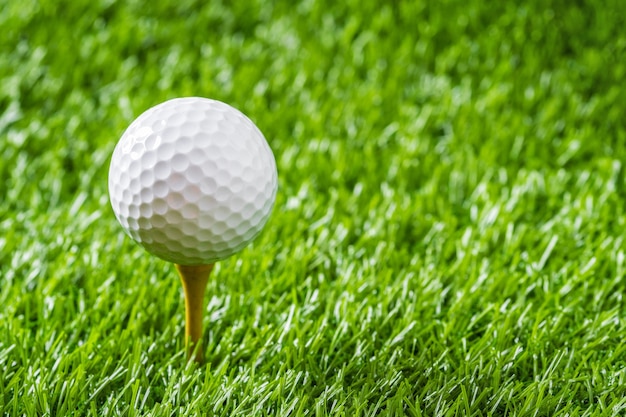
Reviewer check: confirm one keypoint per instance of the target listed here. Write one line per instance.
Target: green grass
(448, 237)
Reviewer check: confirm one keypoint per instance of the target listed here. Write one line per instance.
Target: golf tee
(194, 279)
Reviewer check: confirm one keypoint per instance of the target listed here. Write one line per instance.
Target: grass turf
(447, 239)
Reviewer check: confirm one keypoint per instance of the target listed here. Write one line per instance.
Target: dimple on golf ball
(192, 180)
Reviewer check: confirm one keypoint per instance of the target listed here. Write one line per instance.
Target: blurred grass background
(447, 239)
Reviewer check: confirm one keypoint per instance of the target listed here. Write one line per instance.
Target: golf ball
(192, 180)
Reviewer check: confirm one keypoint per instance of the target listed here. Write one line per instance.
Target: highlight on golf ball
(192, 180)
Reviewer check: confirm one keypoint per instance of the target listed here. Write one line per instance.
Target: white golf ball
(192, 180)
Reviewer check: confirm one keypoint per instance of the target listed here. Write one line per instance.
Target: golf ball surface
(192, 180)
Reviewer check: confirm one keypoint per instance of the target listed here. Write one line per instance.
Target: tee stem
(194, 279)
